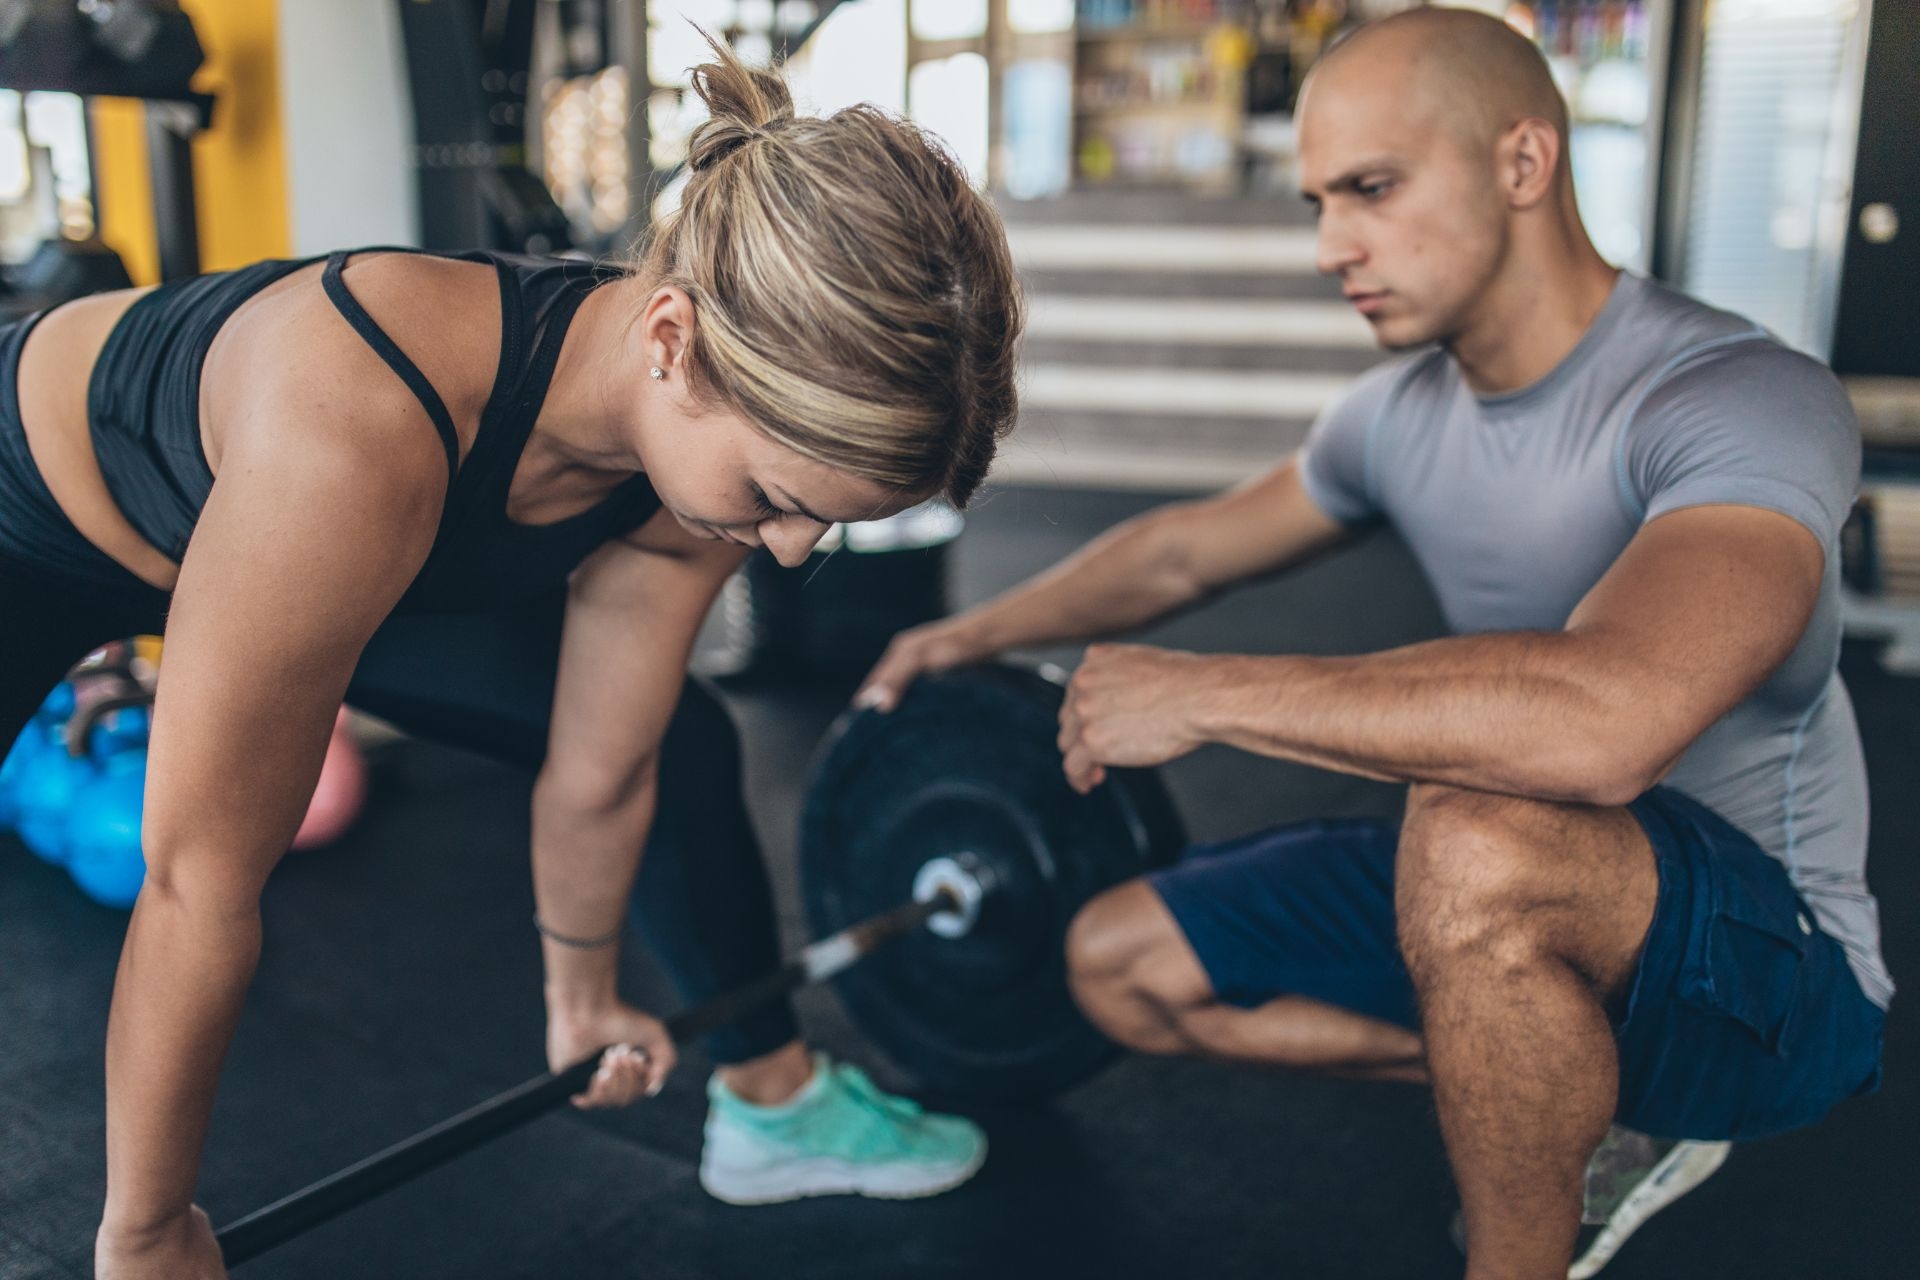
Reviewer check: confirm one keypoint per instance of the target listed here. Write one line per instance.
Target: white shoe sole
(837, 1178)
(1681, 1170)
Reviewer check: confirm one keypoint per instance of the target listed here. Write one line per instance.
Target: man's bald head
(1433, 150)
(1471, 74)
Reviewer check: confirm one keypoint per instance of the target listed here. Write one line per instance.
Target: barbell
(966, 769)
(951, 812)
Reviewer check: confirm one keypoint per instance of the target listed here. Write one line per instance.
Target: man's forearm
(1526, 713)
(1124, 579)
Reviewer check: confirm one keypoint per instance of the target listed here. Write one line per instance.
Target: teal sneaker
(839, 1136)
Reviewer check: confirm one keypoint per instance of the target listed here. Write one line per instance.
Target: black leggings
(485, 682)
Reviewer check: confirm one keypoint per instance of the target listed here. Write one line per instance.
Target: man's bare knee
(1488, 879)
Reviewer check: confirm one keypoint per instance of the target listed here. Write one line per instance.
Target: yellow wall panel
(239, 165)
(124, 187)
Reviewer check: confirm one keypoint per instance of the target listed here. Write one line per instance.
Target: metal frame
(629, 51)
(1685, 38)
(1678, 157)
(170, 130)
(1832, 240)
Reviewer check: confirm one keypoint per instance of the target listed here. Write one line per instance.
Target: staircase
(1174, 343)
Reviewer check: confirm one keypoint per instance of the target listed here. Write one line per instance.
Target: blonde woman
(490, 498)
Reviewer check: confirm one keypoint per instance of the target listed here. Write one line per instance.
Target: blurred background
(1758, 153)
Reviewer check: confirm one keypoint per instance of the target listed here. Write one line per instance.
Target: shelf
(1194, 31)
(1202, 107)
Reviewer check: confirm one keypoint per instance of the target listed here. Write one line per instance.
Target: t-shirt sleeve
(1334, 467)
(1755, 424)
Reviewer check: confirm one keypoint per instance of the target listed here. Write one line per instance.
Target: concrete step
(1173, 342)
(1180, 392)
(1196, 358)
(1191, 322)
(1134, 280)
(1191, 453)
(1227, 250)
(1163, 208)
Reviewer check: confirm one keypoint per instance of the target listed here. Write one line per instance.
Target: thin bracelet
(579, 944)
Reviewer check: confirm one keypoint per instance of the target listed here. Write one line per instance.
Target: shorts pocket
(1751, 940)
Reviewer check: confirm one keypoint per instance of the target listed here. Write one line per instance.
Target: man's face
(1409, 222)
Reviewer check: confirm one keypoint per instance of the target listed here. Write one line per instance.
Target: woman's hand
(184, 1249)
(634, 1067)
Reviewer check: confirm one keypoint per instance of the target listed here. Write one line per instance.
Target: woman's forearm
(183, 977)
(585, 860)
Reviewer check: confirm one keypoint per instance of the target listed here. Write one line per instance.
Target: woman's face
(723, 480)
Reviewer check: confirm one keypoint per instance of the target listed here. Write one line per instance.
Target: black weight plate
(967, 764)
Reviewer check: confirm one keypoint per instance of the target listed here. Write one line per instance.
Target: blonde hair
(854, 295)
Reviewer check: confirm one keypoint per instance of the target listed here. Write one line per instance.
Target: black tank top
(143, 406)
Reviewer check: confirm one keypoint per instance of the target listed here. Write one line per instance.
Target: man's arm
(1157, 564)
(1701, 606)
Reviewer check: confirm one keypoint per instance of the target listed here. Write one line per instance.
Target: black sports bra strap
(384, 347)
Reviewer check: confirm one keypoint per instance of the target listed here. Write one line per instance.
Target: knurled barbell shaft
(355, 1185)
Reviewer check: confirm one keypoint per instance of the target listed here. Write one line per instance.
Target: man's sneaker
(1630, 1178)
(839, 1135)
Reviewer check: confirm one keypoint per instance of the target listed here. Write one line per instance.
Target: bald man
(1630, 880)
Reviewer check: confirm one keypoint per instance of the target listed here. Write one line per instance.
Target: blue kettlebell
(43, 794)
(103, 830)
(58, 705)
(23, 747)
(126, 729)
(37, 734)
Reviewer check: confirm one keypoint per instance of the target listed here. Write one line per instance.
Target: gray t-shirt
(1516, 504)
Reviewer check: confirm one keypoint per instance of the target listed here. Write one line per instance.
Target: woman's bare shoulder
(293, 354)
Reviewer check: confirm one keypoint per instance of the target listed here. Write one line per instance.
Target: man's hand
(1129, 705)
(933, 647)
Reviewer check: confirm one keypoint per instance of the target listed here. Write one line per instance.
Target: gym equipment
(334, 1195)
(72, 786)
(61, 269)
(468, 65)
(44, 779)
(970, 834)
(965, 773)
(103, 830)
(74, 782)
(37, 733)
(145, 49)
(339, 793)
(127, 48)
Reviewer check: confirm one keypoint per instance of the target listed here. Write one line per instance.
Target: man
(1630, 879)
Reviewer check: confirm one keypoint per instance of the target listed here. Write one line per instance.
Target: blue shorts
(1743, 1019)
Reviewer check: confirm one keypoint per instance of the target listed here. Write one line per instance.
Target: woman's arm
(632, 613)
(321, 516)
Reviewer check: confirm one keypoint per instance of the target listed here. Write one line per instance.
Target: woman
(477, 495)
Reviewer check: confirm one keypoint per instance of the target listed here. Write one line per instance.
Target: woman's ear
(666, 329)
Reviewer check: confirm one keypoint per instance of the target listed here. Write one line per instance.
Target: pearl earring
(659, 374)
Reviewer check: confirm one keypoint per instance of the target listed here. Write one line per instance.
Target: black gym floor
(401, 982)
